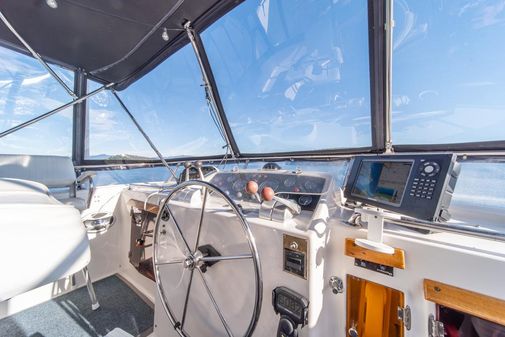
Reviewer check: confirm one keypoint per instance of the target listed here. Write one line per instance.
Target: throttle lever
(268, 194)
(252, 188)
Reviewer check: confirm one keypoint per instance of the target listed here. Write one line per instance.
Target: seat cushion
(18, 191)
(41, 243)
(52, 171)
(26, 198)
(78, 203)
(22, 185)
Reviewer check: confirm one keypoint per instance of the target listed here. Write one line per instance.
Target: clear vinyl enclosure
(292, 80)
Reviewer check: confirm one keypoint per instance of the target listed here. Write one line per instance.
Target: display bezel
(380, 201)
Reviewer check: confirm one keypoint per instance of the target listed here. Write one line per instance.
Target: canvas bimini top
(113, 41)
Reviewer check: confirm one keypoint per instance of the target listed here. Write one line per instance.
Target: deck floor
(70, 315)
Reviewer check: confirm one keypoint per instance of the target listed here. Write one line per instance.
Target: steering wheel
(205, 258)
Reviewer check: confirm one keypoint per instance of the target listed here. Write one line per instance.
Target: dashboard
(304, 189)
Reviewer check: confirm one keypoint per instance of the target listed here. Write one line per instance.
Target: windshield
(448, 73)
(27, 90)
(290, 77)
(169, 103)
(293, 75)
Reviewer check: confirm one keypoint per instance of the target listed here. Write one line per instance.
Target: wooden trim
(397, 260)
(151, 208)
(466, 301)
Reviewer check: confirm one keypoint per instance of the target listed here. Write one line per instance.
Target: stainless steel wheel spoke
(221, 317)
(187, 299)
(169, 262)
(224, 258)
(179, 229)
(201, 219)
(170, 243)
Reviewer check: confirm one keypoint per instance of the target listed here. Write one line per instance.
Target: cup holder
(97, 222)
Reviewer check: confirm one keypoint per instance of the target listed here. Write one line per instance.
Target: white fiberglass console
(218, 270)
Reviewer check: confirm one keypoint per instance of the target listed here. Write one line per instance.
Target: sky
(292, 76)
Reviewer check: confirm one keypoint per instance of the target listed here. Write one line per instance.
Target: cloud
(194, 147)
(420, 115)
(477, 84)
(489, 15)
(468, 6)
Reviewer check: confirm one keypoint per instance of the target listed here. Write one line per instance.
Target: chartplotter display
(420, 186)
(382, 181)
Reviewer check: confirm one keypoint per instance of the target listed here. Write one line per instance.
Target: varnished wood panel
(397, 260)
(151, 208)
(466, 301)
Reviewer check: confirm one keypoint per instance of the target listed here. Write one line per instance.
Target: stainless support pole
(206, 81)
(37, 56)
(52, 112)
(158, 153)
(94, 302)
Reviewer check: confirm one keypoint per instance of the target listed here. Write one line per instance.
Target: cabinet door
(372, 309)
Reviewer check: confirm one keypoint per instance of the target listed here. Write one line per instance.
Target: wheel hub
(189, 263)
(198, 258)
(193, 261)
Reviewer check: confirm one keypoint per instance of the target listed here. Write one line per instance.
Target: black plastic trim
(470, 146)
(215, 93)
(377, 48)
(79, 119)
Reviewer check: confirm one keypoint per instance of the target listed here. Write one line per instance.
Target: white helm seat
(42, 243)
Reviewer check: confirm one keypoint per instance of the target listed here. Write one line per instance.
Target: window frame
(380, 15)
(377, 45)
(378, 40)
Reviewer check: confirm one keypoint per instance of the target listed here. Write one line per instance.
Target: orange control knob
(267, 193)
(251, 187)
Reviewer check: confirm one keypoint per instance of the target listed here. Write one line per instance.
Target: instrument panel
(305, 189)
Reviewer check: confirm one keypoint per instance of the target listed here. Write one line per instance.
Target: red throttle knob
(267, 193)
(251, 187)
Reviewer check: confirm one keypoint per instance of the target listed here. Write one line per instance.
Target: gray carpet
(70, 315)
